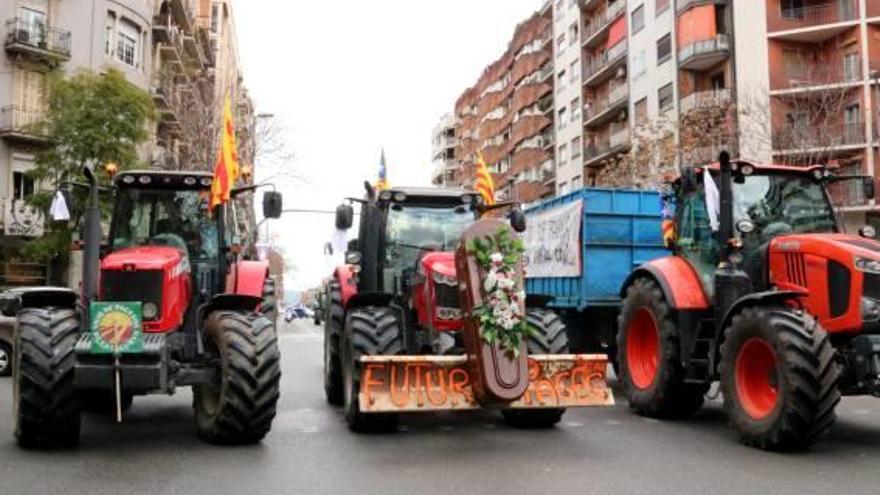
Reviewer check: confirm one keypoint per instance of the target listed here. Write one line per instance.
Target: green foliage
(91, 118)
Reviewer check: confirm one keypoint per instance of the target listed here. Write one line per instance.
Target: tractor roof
(431, 192)
(770, 167)
(164, 179)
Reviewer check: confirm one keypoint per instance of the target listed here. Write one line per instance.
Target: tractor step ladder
(702, 356)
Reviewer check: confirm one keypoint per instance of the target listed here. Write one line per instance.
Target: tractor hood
(441, 263)
(827, 245)
(143, 258)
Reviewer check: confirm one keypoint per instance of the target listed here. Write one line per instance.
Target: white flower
(506, 283)
(496, 258)
(490, 282)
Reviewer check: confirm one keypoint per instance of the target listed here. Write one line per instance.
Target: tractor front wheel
(648, 354)
(778, 377)
(45, 403)
(238, 408)
(369, 331)
(332, 342)
(550, 337)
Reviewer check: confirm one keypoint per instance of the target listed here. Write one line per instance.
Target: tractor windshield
(781, 204)
(156, 217)
(412, 230)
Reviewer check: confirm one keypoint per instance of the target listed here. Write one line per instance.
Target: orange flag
(484, 185)
(226, 169)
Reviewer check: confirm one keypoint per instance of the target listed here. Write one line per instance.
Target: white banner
(553, 242)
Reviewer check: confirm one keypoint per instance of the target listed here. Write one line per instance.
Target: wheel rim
(4, 360)
(642, 348)
(757, 378)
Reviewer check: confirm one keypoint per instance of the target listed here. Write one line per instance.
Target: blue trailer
(619, 230)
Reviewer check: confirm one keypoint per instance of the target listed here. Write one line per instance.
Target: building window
(660, 7)
(127, 43)
(792, 9)
(641, 111)
(563, 154)
(851, 67)
(561, 120)
(664, 49)
(22, 186)
(576, 109)
(638, 64)
(576, 182)
(563, 187)
(664, 97)
(638, 19)
(560, 44)
(109, 28)
(560, 80)
(215, 18)
(573, 34)
(576, 147)
(573, 72)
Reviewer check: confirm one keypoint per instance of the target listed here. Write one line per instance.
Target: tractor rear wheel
(332, 342)
(269, 306)
(551, 337)
(46, 405)
(779, 378)
(648, 353)
(240, 406)
(369, 331)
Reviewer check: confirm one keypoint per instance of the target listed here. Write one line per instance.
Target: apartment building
(568, 93)
(165, 47)
(508, 116)
(443, 144)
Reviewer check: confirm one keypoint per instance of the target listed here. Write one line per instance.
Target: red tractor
(170, 304)
(398, 321)
(770, 298)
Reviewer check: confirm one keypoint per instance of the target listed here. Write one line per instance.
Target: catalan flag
(226, 169)
(382, 181)
(485, 186)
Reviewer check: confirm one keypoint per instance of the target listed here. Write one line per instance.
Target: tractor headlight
(866, 265)
(439, 278)
(870, 310)
(151, 311)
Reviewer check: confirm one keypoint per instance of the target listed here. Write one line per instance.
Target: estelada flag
(484, 184)
(226, 169)
(382, 180)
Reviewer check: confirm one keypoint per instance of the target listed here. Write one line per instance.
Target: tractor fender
(232, 302)
(40, 297)
(538, 301)
(757, 299)
(347, 282)
(247, 278)
(677, 279)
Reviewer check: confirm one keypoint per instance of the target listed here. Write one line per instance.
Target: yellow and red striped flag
(485, 186)
(226, 169)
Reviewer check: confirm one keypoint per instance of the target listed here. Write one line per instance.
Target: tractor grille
(137, 286)
(447, 296)
(796, 269)
(871, 287)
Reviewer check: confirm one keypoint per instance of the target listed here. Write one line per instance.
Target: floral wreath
(501, 317)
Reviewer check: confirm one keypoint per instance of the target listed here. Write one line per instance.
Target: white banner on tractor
(553, 242)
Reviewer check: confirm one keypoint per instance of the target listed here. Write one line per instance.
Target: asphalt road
(310, 451)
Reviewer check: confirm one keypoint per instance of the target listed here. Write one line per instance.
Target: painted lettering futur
(436, 383)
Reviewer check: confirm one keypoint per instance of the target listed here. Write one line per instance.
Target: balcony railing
(704, 53)
(598, 64)
(819, 137)
(37, 38)
(703, 99)
(830, 12)
(812, 74)
(21, 122)
(615, 98)
(599, 24)
(617, 141)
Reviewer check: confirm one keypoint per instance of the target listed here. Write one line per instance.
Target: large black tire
(551, 337)
(269, 306)
(5, 359)
(332, 344)
(779, 378)
(46, 405)
(650, 369)
(369, 331)
(240, 406)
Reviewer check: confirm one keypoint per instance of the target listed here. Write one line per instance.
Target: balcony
(602, 68)
(604, 148)
(547, 141)
(595, 31)
(606, 108)
(195, 56)
(819, 139)
(21, 125)
(704, 99)
(545, 105)
(38, 41)
(825, 74)
(812, 23)
(183, 14)
(546, 74)
(703, 54)
(687, 4)
(171, 51)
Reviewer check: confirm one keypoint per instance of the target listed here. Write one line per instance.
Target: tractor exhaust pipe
(725, 225)
(92, 245)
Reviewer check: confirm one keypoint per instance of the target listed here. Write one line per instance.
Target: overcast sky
(347, 78)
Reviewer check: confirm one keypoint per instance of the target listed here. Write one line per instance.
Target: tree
(90, 118)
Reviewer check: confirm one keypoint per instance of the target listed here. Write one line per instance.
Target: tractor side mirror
(272, 204)
(868, 187)
(9, 304)
(517, 220)
(344, 217)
